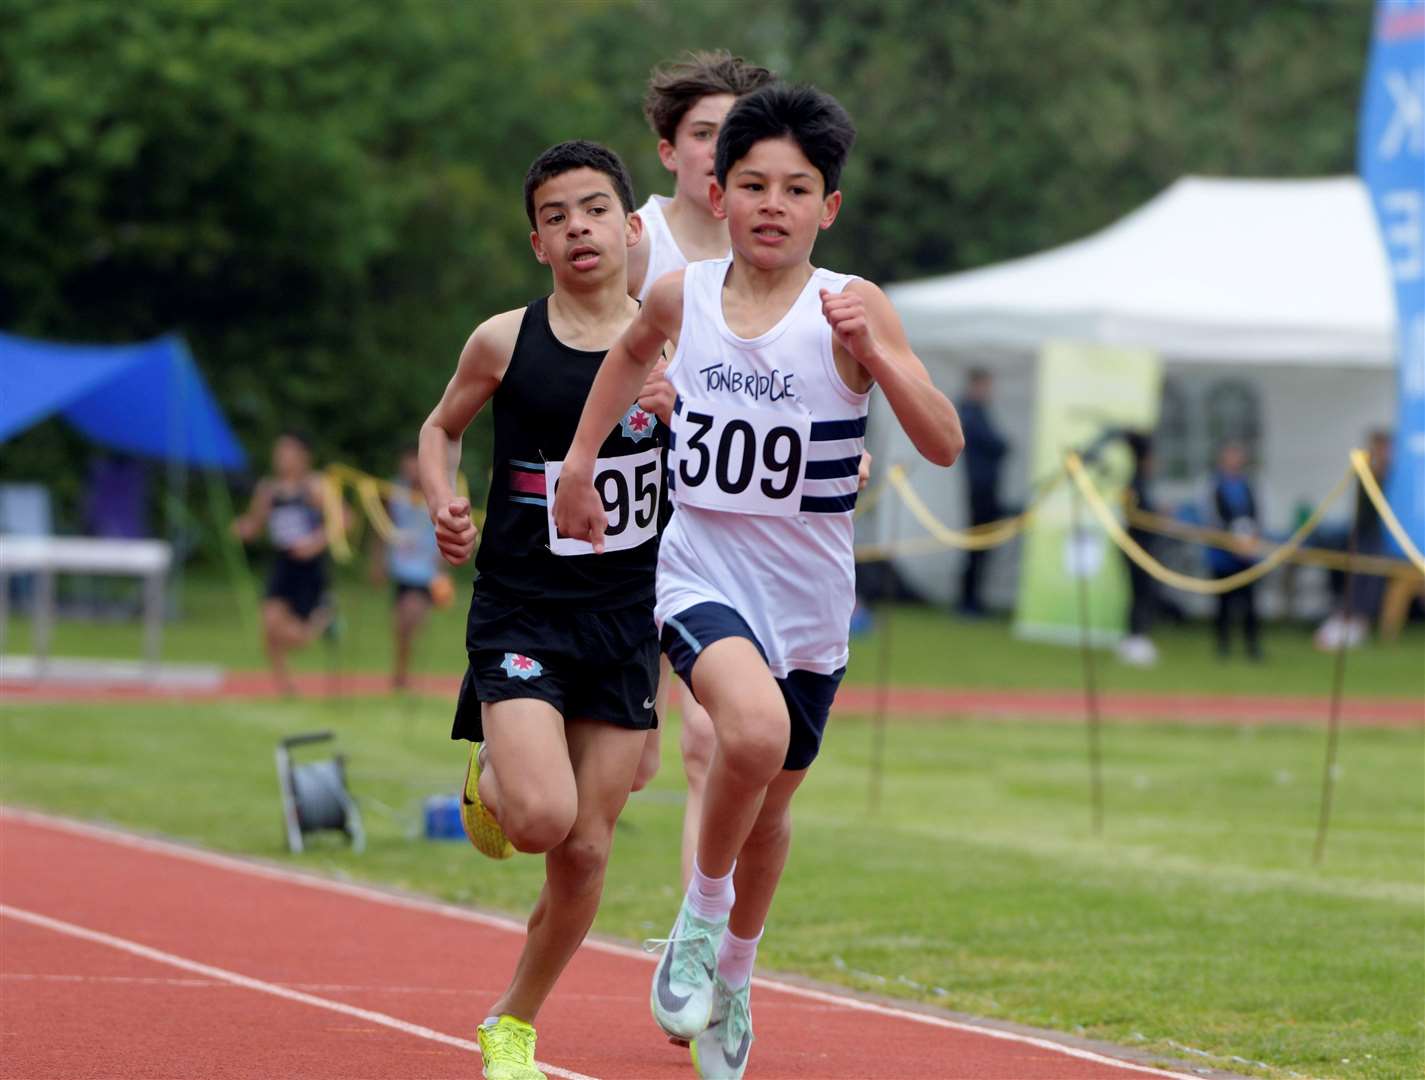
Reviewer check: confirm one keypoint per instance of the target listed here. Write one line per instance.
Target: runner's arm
(317, 541)
(248, 525)
(482, 365)
(869, 333)
(578, 510)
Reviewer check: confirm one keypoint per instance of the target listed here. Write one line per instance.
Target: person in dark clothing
(1138, 647)
(1235, 507)
(985, 449)
(1351, 617)
(1368, 590)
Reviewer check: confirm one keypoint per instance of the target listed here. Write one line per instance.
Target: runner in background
(289, 504)
(410, 561)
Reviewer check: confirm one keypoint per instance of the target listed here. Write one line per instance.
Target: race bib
(745, 460)
(629, 487)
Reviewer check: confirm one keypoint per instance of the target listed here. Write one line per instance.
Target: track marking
(258, 869)
(249, 983)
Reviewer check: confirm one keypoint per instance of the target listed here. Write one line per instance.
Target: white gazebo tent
(1267, 299)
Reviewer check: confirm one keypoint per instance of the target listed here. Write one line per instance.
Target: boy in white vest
(773, 367)
(685, 104)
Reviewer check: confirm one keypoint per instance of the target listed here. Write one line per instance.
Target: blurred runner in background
(411, 562)
(289, 503)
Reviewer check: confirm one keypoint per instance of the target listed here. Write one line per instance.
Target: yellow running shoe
(507, 1047)
(480, 825)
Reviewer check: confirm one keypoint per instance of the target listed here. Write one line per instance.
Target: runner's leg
(527, 782)
(697, 743)
(410, 614)
(764, 856)
(604, 759)
(750, 718)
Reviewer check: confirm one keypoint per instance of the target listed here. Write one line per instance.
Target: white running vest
(664, 254)
(763, 463)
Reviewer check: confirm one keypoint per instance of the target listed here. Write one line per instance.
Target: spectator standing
(1138, 648)
(1235, 507)
(985, 449)
(1352, 615)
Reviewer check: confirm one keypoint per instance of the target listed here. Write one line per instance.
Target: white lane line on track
(435, 907)
(249, 983)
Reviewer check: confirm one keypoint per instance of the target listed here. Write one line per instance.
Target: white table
(46, 556)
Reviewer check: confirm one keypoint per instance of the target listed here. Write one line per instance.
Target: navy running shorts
(808, 694)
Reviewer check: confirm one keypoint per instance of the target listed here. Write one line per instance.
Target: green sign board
(1084, 391)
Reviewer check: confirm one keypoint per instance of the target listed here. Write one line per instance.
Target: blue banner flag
(1391, 161)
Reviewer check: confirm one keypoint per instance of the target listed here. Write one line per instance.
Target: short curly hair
(577, 154)
(676, 87)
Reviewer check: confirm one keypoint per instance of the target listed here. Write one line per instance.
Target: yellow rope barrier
(1216, 586)
(1377, 565)
(1361, 464)
(372, 492)
(376, 513)
(334, 518)
(977, 537)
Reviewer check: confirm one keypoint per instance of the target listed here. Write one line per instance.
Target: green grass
(930, 649)
(1197, 920)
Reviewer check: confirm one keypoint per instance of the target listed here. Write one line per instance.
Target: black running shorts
(299, 583)
(594, 665)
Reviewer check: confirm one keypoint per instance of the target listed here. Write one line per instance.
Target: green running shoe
(507, 1047)
(720, 1052)
(682, 993)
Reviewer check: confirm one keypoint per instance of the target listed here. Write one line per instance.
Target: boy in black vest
(559, 693)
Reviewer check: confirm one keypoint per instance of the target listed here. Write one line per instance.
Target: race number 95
(638, 506)
(629, 487)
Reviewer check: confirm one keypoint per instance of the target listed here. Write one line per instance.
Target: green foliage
(324, 197)
(990, 130)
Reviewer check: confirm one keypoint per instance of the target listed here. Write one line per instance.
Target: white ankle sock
(735, 959)
(710, 898)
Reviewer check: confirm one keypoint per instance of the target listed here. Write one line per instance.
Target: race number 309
(749, 461)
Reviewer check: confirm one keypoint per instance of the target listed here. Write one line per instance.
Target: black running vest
(536, 411)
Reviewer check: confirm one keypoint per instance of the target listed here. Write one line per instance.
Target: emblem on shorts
(638, 423)
(518, 666)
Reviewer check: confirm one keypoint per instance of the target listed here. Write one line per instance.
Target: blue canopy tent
(147, 399)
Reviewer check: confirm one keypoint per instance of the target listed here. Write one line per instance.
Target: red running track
(124, 956)
(925, 702)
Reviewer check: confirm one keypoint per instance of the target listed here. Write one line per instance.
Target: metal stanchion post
(1333, 718)
(883, 670)
(1090, 681)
